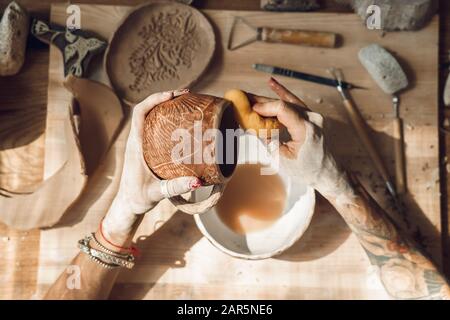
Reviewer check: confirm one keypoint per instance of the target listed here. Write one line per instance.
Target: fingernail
(272, 79)
(180, 91)
(195, 184)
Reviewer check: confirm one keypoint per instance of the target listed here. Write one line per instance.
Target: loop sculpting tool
(273, 35)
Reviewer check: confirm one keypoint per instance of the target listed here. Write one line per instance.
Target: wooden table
(23, 127)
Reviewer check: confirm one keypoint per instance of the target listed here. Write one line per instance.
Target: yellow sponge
(247, 118)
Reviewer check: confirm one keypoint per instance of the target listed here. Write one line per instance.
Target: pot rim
(224, 105)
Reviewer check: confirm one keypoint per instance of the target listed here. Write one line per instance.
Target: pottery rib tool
(273, 35)
(361, 128)
(390, 77)
(303, 76)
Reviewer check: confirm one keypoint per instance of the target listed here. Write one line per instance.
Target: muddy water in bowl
(251, 201)
(259, 215)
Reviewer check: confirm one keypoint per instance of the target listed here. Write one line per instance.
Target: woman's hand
(139, 189)
(304, 154)
(405, 272)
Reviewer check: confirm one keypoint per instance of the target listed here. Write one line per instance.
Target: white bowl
(279, 236)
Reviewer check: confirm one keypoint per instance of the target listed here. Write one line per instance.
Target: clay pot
(181, 139)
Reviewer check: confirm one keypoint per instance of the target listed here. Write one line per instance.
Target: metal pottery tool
(272, 35)
(390, 77)
(303, 76)
(361, 128)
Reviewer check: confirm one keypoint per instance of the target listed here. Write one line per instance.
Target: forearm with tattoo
(405, 271)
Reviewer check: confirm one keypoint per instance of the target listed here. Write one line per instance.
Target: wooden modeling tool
(361, 128)
(273, 35)
(390, 77)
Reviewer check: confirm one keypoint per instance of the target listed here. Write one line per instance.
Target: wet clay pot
(181, 139)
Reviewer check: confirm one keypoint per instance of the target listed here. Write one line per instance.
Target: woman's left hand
(139, 190)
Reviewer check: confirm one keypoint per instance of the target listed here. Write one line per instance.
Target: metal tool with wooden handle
(361, 128)
(287, 36)
(400, 170)
(387, 72)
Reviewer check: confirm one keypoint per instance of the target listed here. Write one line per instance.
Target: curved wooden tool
(92, 123)
(101, 115)
(46, 205)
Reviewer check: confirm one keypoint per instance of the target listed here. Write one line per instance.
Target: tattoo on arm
(405, 272)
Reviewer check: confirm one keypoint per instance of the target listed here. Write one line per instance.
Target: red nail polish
(195, 184)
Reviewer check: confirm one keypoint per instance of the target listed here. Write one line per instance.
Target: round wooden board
(158, 47)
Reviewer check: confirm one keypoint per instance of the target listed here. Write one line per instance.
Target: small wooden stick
(400, 176)
(299, 37)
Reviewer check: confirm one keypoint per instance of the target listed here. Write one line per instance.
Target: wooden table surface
(22, 127)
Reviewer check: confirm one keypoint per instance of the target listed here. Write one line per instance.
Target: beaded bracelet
(105, 249)
(103, 264)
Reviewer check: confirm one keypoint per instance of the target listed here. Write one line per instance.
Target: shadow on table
(325, 234)
(162, 250)
(101, 176)
(167, 246)
(22, 113)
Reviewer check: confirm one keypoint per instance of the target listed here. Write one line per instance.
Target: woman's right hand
(305, 154)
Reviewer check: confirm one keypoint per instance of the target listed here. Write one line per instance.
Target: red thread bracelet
(134, 250)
